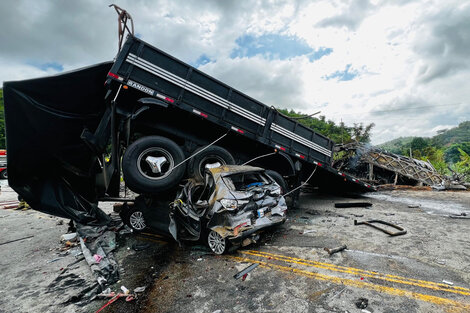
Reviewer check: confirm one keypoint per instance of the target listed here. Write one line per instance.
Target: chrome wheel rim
(156, 153)
(137, 220)
(216, 242)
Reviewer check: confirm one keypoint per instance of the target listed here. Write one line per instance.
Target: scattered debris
(357, 215)
(140, 289)
(448, 282)
(413, 206)
(401, 231)
(69, 237)
(361, 303)
(462, 215)
(125, 290)
(441, 262)
(10, 241)
(54, 260)
(99, 241)
(353, 204)
(335, 250)
(97, 258)
(307, 231)
(246, 270)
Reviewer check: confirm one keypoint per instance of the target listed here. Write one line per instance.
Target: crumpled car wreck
(230, 209)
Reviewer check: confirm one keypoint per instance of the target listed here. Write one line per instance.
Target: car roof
(226, 170)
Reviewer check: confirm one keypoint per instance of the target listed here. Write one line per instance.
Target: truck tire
(211, 155)
(148, 165)
(278, 179)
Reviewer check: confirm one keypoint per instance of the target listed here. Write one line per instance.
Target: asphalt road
(426, 270)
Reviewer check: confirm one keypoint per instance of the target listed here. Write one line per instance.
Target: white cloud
(405, 53)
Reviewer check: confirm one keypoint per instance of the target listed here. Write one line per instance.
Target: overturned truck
(153, 120)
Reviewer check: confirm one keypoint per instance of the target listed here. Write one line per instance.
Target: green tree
(452, 153)
(435, 156)
(463, 166)
(361, 133)
(418, 143)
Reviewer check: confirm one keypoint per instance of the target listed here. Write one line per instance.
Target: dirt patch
(164, 292)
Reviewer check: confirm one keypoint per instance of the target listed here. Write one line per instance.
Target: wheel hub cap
(137, 220)
(156, 163)
(216, 242)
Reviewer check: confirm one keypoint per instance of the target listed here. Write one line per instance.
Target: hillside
(459, 134)
(396, 145)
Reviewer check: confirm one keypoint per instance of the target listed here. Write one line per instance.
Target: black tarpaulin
(49, 165)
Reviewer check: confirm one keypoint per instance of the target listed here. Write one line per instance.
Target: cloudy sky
(403, 65)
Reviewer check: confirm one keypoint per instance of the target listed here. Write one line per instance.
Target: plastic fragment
(125, 290)
(97, 258)
(139, 289)
(447, 282)
(68, 237)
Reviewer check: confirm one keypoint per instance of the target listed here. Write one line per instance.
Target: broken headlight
(231, 204)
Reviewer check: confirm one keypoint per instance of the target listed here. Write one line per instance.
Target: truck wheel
(148, 165)
(278, 179)
(4, 174)
(211, 155)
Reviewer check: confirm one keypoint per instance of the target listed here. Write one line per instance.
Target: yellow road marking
(455, 305)
(365, 273)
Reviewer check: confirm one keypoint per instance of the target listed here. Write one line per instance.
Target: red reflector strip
(238, 130)
(300, 156)
(171, 100)
(317, 163)
(200, 113)
(354, 180)
(114, 76)
(280, 148)
(342, 174)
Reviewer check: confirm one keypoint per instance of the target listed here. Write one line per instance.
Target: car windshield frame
(234, 181)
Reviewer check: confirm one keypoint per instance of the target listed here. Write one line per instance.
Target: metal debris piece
(307, 231)
(414, 206)
(338, 249)
(462, 215)
(246, 270)
(447, 282)
(401, 231)
(353, 204)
